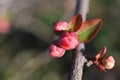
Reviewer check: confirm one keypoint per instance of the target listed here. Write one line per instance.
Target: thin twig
(79, 60)
(82, 7)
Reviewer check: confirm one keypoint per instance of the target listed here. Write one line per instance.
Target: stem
(82, 7)
(79, 60)
(78, 65)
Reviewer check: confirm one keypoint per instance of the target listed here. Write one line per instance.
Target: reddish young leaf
(75, 23)
(101, 67)
(101, 53)
(88, 30)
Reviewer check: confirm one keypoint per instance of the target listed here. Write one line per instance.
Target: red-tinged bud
(101, 67)
(108, 62)
(56, 51)
(68, 40)
(4, 26)
(61, 26)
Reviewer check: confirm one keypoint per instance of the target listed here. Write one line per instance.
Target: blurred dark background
(24, 49)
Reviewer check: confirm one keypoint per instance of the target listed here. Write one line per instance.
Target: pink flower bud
(68, 40)
(4, 26)
(60, 26)
(109, 62)
(56, 51)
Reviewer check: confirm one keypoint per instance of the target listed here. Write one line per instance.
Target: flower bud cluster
(108, 62)
(68, 40)
(103, 62)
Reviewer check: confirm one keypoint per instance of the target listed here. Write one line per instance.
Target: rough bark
(82, 7)
(79, 61)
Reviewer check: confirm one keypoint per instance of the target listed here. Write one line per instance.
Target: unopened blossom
(60, 27)
(108, 62)
(103, 62)
(4, 26)
(68, 40)
(56, 51)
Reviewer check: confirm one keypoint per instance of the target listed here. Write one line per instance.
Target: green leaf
(89, 30)
(75, 23)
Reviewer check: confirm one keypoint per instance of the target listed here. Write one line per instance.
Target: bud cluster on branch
(68, 40)
(74, 32)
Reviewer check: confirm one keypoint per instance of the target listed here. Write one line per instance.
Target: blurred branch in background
(31, 67)
(4, 7)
